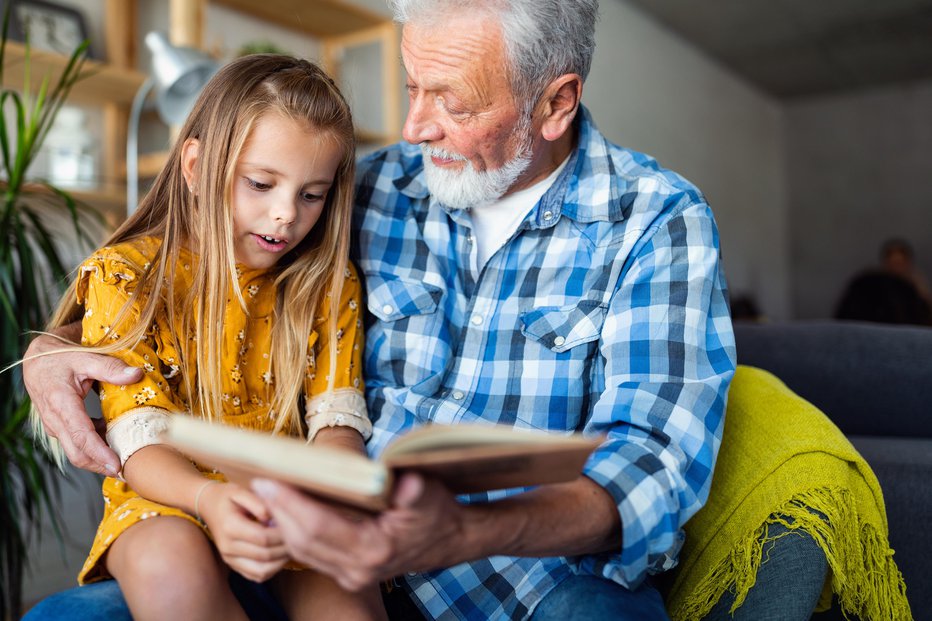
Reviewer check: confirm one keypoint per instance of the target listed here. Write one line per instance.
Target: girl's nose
(284, 212)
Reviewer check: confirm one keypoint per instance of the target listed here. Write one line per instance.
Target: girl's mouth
(272, 244)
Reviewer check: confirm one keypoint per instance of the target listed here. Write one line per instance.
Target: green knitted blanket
(781, 457)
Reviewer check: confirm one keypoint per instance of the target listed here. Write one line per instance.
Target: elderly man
(520, 269)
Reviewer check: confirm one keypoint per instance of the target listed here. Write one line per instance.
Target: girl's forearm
(341, 437)
(162, 474)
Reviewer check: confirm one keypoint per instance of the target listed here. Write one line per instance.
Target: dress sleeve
(136, 414)
(345, 405)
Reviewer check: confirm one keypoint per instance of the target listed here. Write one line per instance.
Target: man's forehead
(440, 52)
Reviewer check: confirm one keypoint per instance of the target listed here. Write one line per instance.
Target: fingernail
(130, 371)
(110, 469)
(264, 488)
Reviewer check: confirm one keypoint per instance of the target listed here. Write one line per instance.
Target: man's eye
(450, 108)
(257, 185)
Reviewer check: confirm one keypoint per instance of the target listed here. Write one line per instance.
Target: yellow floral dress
(138, 413)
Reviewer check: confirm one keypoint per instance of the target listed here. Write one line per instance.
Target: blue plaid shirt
(605, 313)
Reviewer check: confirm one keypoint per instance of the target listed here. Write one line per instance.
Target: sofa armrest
(903, 467)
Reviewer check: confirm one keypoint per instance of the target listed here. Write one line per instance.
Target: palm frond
(29, 256)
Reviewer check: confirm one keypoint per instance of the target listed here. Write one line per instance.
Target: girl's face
(280, 186)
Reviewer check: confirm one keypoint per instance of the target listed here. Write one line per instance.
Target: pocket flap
(562, 328)
(392, 299)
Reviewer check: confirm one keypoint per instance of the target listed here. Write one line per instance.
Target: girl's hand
(240, 526)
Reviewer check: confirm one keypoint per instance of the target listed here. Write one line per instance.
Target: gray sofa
(875, 382)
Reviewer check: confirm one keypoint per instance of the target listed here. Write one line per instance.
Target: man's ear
(559, 105)
(189, 154)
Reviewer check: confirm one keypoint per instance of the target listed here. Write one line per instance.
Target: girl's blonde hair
(222, 119)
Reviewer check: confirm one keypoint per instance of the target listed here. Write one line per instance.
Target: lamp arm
(132, 146)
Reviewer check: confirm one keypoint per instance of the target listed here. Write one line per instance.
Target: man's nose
(421, 123)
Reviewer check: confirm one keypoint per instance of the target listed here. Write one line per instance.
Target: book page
(446, 437)
(475, 458)
(244, 454)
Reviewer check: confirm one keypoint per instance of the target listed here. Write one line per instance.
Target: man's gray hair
(543, 39)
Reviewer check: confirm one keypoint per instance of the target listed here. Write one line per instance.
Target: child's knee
(167, 555)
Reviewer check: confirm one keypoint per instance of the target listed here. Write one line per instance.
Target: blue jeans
(587, 597)
(103, 601)
(788, 585)
(789, 581)
(579, 597)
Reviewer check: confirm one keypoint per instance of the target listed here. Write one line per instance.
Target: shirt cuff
(651, 537)
(136, 429)
(344, 407)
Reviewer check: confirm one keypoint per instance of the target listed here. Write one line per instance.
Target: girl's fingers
(251, 504)
(263, 554)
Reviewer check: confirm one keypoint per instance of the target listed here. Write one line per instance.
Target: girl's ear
(189, 153)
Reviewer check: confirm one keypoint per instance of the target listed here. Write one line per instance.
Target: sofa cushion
(870, 379)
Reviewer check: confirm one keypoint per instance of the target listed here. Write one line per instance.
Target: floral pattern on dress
(107, 281)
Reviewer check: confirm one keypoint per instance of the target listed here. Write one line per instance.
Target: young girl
(230, 287)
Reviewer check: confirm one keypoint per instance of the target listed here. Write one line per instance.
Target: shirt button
(388, 309)
(548, 215)
(412, 573)
(559, 341)
(476, 319)
(458, 395)
(469, 239)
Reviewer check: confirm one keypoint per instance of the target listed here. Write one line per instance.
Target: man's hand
(423, 530)
(58, 384)
(238, 522)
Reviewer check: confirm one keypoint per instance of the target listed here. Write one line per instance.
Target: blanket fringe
(864, 576)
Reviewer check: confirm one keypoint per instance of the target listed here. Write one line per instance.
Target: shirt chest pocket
(394, 299)
(408, 345)
(560, 329)
(562, 351)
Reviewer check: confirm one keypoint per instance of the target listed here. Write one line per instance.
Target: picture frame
(50, 26)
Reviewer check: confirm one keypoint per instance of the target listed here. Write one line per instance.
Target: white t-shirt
(493, 224)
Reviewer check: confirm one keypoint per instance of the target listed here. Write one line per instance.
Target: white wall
(650, 91)
(860, 171)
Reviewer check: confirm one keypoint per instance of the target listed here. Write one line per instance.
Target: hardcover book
(466, 457)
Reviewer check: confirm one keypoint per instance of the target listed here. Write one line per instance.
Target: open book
(466, 457)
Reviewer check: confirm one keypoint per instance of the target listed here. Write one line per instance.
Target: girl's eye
(312, 198)
(257, 185)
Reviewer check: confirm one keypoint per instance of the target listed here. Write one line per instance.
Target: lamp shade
(179, 74)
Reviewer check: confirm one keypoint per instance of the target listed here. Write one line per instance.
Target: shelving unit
(102, 84)
(337, 25)
(111, 85)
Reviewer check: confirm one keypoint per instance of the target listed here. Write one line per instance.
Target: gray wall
(860, 171)
(652, 92)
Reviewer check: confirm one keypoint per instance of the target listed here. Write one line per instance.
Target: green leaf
(27, 252)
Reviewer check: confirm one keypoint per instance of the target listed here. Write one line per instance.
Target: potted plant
(28, 258)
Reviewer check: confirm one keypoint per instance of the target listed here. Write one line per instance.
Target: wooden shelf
(109, 200)
(101, 82)
(320, 18)
(111, 86)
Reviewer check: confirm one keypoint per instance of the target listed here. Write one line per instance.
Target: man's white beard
(468, 187)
